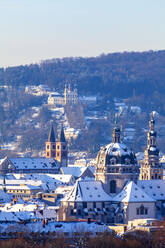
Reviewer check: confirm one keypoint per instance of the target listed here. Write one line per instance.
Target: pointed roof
(132, 193)
(87, 191)
(51, 137)
(153, 188)
(62, 135)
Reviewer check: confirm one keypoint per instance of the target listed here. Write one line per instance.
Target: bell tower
(61, 149)
(51, 143)
(150, 167)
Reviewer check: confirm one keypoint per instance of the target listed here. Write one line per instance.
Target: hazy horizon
(47, 59)
(32, 31)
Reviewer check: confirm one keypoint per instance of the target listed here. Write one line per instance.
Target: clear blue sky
(33, 30)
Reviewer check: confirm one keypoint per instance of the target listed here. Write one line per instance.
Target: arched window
(112, 161)
(113, 186)
(141, 209)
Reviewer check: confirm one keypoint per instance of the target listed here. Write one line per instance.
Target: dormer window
(114, 149)
(127, 161)
(112, 161)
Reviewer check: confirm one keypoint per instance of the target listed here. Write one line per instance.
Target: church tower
(61, 149)
(150, 168)
(116, 165)
(75, 95)
(51, 144)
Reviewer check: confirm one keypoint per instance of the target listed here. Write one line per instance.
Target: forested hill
(122, 74)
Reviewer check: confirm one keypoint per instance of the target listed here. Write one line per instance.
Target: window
(79, 211)
(142, 210)
(54, 147)
(47, 153)
(113, 161)
(113, 186)
(127, 161)
(47, 146)
(84, 204)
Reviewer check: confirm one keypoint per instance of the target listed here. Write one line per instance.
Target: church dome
(116, 152)
(116, 164)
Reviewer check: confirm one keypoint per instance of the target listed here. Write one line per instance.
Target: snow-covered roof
(92, 169)
(154, 188)
(162, 159)
(117, 149)
(20, 182)
(132, 193)
(63, 190)
(140, 156)
(75, 171)
(4, 197)
(22, 187)
(35, 163)
(47, 181)
(17, 212)
(87, 191)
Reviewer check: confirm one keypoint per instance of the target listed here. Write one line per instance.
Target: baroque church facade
(122, 190)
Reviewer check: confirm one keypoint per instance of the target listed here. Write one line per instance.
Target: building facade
(69, 97)
(116, 165)
(150, 168)
(57, 149)
(116, 195)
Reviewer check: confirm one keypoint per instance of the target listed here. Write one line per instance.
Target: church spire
(51, 137)
(61, 149)
(116, 131)
(62, 136)
(151, 138)
(151, 168)
(51, 143)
